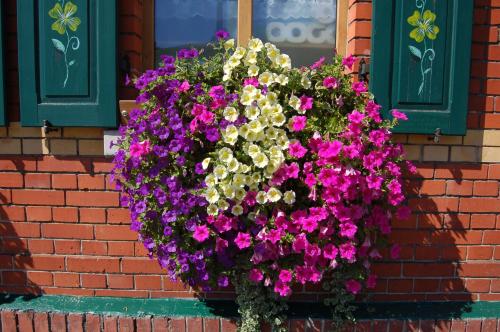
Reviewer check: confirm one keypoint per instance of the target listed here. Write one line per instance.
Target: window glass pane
(304, 29)
(191, 23)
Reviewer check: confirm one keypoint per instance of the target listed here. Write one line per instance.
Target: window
(305, 29)
(191, 23)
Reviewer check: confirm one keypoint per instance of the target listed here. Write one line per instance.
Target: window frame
(244, 28)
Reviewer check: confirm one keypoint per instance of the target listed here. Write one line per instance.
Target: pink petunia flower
(137, 150)
(251, 81)
(330, 82)
(306, 103)
(296, 150)
(347, 251)
(356, 117)
(282, 289)
(359, 87)
(298, 123)
(353, 286)
(242, 240)
(255, 275)
(399, 115)
(349, 61)
(285, 276)
(318, 63)
(201, 233)
(184, 86)
(330, 251)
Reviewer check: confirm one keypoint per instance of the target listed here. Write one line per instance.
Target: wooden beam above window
(244, 21)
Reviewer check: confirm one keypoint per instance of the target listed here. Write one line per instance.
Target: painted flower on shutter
(65, 19)
(424, 26)
(423, 21)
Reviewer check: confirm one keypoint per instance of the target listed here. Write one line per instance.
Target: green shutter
(424, 75)
(3, 113)
(67, 68)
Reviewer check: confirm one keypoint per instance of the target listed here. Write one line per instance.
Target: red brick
(63, 164)
(461, 188)
(38, 213)
(8, 320)
(428, 270)
(483, 221)
(121, 248)
(64, 181)
(12, 213)
(114, 232)
(66, 280)
(360, 11)
(12, 163)
(433, 188)
(126, 324)
(471, 269)
(41, 322)
(92, 322)
(456, 220)
(40, 278)
(95, 248)
(458, 325)
(92, 215)
(493, 87)
(5, 196)
(41, 246)
(480, 252)
(37, 180)
(143, 324)
(93, 280)
(435, 204)
(194, 324)
(38, 197)
(118, 216)
(210, 324)
(494, 173)
(120, 281)
(67, 231)
(92, 182)
(57, 322)
(494, 52)
(67, 247)
(485, 34)
(94, 198)
(490, 120)
(14, 278)
(474, 325)
(139, 265)
(481, 103)
(477, 285)
(110, 324)
(11, 180)
(488, 205)
(491, 237)
(65, 214)
(103, 166)
(93, 264)
(20, 229)
(489, 325)
(147, 282)
(75, 322)
(486, 188)
(495, 285)
(40, 262)
(461, 171)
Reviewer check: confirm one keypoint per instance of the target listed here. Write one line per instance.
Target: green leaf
(415, 51)
(58, 45)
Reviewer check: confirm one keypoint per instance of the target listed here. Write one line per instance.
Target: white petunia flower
(261, 197)
(289, 197)
(212, 195)
(205, 163)
(237, 210)
(220, 172)
(225, 155)
(273, 195)
(255, 44)
(260, 160)
(230, 114)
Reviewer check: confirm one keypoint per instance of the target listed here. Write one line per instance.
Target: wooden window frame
(244, 28)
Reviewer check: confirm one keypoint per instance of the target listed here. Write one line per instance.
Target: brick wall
(63, 232)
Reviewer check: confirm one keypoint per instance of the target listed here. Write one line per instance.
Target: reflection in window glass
(304, 29)
(191, 23)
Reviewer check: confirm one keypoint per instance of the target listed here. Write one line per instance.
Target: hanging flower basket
(242, 170)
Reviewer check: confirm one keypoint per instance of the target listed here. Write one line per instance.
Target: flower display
(242, 170)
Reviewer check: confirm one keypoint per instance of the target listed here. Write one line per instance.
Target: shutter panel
(67, 62)
(420, 62)
(3, 113)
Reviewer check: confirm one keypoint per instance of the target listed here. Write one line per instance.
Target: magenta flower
(255, 275)
(137, 150)
(318, 63)
(298, 123)
(347, 251)
(349, 61)
(356, 117)
(353, 286)
(296, 150)
(251, 81)
(285, 276)
(359, 87)
(222, 34)
(399, 115)
(306, 103)
(282, 289)
(330, 82)
(201, 233)
(184, 86)
(243, 240)
(330, 251)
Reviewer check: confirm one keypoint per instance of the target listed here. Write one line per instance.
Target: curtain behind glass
(304, 29)
(191, 23)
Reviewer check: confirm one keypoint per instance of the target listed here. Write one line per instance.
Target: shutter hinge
(47, 127)
(437, 134)
(363, 71)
